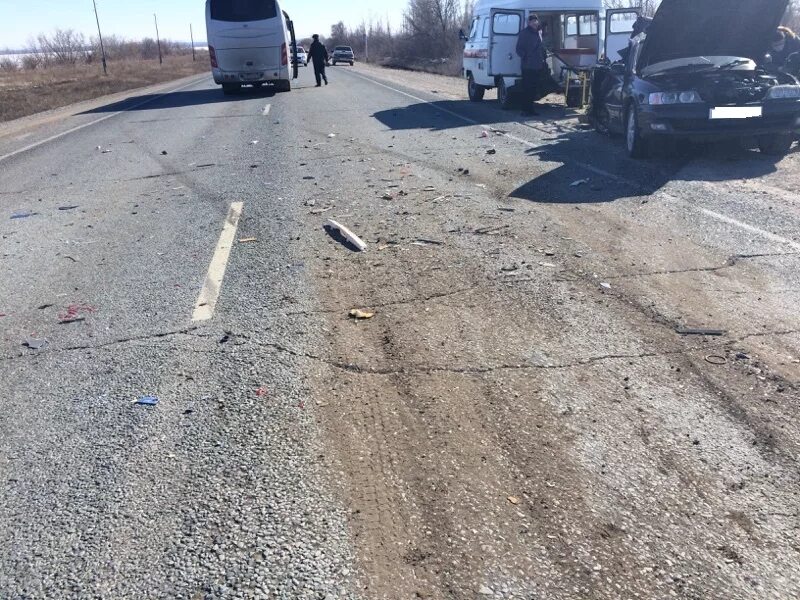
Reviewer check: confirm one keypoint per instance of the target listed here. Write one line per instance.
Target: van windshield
(243, 10)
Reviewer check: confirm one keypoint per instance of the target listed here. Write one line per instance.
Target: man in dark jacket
(532, 52)
(784, 44)
(319, 54)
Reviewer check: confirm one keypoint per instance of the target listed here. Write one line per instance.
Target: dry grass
(25, 93)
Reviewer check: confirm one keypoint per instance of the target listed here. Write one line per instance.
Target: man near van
(319, 54)
(532, 52)
(784, 44)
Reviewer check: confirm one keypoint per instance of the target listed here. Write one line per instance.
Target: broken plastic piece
(67, 207)
(22, 214)
(35, 344)
(349, 235)
(361, 315)
(579, 182)
(248, 240)
(147, 401)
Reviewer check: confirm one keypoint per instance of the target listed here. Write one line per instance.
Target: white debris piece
(351, 237)
(579, 182)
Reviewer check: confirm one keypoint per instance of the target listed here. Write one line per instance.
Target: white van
(250, 43)
(576, 33)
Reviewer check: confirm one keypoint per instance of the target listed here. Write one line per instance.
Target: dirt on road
(521, 418)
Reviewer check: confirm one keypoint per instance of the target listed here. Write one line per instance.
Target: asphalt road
(522, 418)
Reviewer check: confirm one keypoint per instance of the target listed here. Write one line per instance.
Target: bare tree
(62, 47)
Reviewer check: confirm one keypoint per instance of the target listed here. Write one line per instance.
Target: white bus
(251, 42)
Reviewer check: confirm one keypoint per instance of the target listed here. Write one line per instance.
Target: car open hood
(687, 28)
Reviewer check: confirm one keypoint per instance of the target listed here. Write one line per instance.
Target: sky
(134, 19)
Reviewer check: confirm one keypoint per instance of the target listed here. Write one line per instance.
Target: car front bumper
(693, 121)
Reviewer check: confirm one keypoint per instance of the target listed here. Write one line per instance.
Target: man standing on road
(532, 52)
(319, 54)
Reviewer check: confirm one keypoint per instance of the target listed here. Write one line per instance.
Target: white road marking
(766, 234)
(95, 122)
(209, 294)
(266, 110)
(710, 213)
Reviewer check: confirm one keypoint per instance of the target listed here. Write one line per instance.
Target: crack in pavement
(117, 342)
(731, 262)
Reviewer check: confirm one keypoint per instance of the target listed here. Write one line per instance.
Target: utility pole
(158, 41)
(191, 35)
(100, 35)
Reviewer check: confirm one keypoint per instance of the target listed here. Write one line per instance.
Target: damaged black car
(700, 72)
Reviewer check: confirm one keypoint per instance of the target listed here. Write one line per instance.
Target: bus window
(243, 10)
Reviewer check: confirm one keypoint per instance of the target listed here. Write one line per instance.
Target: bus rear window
(243, 10)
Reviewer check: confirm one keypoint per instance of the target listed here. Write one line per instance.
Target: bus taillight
(284, 55)
(213, 54)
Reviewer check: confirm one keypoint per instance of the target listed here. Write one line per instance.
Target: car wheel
(230, 88)
(776, 145)
(504, 95)
(637, 147)
(474, 90)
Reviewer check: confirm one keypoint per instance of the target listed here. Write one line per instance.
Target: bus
(250, 42)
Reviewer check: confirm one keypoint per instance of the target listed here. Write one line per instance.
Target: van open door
(504, 31)
(293, 48)
(619, 27)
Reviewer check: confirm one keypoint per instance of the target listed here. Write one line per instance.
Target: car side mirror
(462, 36)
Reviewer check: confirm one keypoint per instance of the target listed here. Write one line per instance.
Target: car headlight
(784, 92)
(661, 98)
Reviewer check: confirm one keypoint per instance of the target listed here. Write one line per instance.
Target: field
(25, 93)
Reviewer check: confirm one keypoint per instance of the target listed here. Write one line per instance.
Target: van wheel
(351, 63)
(504, 95)
(637, 146)
(334, 63)
(230, 88)
(474, 90)
(776, 145)
(283, 85)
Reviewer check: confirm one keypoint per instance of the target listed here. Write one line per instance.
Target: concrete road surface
(535, 410)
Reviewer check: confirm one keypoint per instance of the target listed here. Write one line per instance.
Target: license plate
(251, 76)
(736, 112)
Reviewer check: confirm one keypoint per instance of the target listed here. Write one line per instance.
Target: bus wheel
(283, 85)
(230, 88)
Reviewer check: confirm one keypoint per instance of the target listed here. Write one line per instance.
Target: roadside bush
(8, 66)
(31, 62)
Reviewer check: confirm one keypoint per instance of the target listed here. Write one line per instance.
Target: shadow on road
(595, 169)
(182, 99)
(437, 116)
